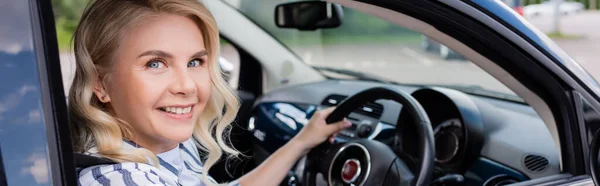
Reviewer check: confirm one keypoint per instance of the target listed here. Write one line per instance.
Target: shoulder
(128, 173)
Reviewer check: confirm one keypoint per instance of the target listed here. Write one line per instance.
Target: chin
(177, 133)
(178, 136)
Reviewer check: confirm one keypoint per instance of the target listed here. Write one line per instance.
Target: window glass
(371, 45)
(23, 137)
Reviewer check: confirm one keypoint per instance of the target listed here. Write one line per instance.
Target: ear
(100, 90)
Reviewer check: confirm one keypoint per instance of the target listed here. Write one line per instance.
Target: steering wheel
(370, 162)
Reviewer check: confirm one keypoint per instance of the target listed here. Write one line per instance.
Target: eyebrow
(200, 54)
(163, 54)
(158, 53)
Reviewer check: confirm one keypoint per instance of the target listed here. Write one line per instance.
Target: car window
(371, 45)
(23, 136)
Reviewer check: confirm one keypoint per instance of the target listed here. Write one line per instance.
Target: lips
(177, 111)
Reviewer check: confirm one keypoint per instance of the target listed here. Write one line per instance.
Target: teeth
(178, 110)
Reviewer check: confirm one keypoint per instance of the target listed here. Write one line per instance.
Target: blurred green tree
(66, 15)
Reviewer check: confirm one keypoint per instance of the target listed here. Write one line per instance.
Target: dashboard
(488, 141)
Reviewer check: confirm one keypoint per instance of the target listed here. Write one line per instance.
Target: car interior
(480, 139)
(483, 119)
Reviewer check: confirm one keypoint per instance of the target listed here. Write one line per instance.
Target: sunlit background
(371, 45)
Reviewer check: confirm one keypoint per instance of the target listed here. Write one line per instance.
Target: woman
(148, 91)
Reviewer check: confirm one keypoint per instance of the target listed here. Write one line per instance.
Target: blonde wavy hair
(96, 40)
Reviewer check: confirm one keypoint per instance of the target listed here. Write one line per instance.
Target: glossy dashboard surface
(481, 125)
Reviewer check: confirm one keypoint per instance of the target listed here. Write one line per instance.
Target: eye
(195, 63)
(155, 64)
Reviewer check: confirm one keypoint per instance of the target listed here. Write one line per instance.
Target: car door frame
(54, 107)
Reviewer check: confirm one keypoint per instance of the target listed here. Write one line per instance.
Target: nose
(183, 84)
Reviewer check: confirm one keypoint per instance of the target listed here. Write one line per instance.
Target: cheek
(134, 89)
(202, 82)
(149, 91)
(204, 85)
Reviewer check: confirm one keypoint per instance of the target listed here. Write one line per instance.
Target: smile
(176, 110)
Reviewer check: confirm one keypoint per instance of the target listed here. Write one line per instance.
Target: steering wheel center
(351, 164)
(351, 170)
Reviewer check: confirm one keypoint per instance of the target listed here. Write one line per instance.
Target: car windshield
(369, 48)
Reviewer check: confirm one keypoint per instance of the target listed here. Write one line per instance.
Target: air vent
(370, 109)
(333, 100)
(535, 163)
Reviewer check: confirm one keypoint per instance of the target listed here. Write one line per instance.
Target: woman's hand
(317, 130)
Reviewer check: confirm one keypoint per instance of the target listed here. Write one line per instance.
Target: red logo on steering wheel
(350, 170)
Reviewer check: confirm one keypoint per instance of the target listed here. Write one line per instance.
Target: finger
(332, 138)
(325, 112)
(341, 125)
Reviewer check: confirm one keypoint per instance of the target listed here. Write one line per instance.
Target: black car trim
(54, 106)
(2, 171)
(578, 102)
(83, 161)
(508, 56)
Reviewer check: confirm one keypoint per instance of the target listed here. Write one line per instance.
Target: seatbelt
(83, 161)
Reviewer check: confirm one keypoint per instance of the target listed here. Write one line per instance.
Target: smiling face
(160, 82)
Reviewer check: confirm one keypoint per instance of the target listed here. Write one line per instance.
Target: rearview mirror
(308, 15)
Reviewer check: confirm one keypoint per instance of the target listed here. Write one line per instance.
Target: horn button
(350, 166)
(351, 170)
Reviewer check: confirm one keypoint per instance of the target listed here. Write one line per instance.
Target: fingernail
(347, 123)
